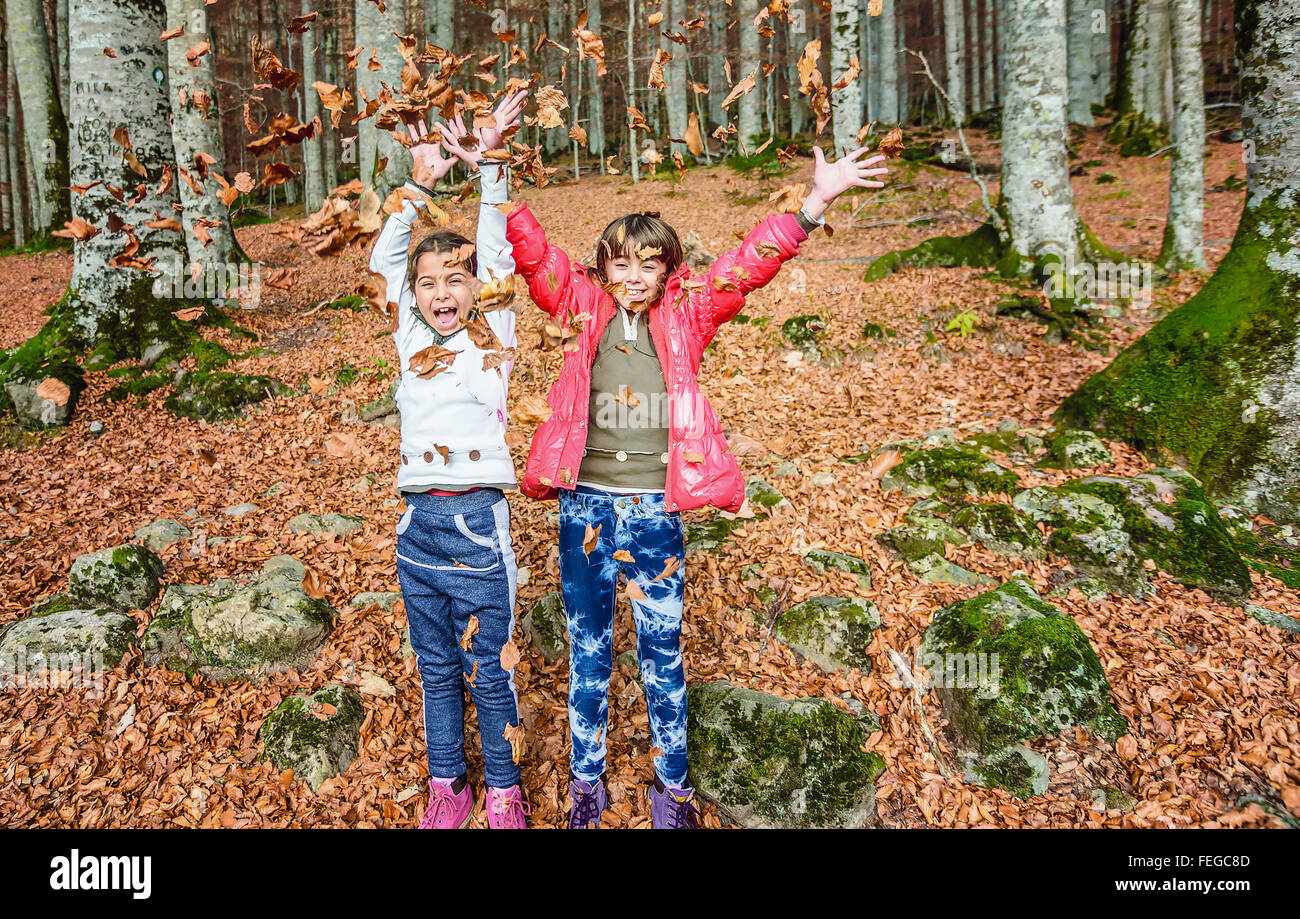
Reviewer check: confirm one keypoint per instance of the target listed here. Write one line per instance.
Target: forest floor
(1214, 718)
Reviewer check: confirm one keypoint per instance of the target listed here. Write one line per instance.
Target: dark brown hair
(638, 231)
(440, 242)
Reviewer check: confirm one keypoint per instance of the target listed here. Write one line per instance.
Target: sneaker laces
(441, 801)
(682, 813)
(511, 805)
(584, 808)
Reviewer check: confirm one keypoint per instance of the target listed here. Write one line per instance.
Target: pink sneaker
(447, 810)
(506, 809)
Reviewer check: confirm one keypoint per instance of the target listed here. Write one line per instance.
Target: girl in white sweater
(454, 557)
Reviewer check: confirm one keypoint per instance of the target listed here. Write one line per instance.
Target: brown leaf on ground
(471, 629)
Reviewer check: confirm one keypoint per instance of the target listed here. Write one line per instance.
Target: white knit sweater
(463, 408)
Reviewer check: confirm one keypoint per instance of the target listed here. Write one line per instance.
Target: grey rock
(1075, 449)
(1015, 768)
(90, 639)
(317, 524)
(230, 631)
(239, 510)
(1275, 619)
(314, 747)
(824, 560)
(384, 599)
(832, 632)
(162, 533)
(123, 577)
(935, 569)
(923, 536)
(35, 412)
(768, 762)
(547, 628)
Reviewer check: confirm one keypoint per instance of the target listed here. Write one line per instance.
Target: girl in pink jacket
(632, 442)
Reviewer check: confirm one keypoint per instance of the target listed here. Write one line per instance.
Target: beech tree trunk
(955, 58)
(750, 116)
(847, 114)
(44, 130)
(196, 129)
(379, 31)
(313, 172)
(1080, 47)
(1215, 385)
(889, 52)
(1182, 247)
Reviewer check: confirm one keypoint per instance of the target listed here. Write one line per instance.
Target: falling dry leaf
(471, 629)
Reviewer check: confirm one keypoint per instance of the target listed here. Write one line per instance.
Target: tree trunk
(106, 302)
(889, 51)
(990, 54)
(1182, 247)
(596, 116)
(633, 146)
(717, 26)
(313, 168)
(1101, 36)
(379, 30)
(331, 141)
(196, 129)
(1035, 170)
(13, 147)
(1215, 385)
(848, 101)
(954, 59)
(1080, 62)
(750, 115)
(44, 130)
(796, 37)
(869, 58)
(61, 51)
(675, 74)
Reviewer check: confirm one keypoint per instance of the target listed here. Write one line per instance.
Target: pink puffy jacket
(701, 469)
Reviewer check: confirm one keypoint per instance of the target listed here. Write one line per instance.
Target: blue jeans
(455, 562)
(639, 525)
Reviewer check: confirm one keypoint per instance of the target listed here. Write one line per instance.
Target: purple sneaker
(588, 803)
(673, 808)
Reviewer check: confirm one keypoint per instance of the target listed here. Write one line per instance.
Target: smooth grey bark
(108, 94)
(749, 117)
(438, 23)
(1101, 51)
(954, 52)
(869, 58)
(378, 31)
(990, 54)
(1079, 51)
(1182, 247)
(331, 142)
(633, 146)
(12, 148)
(889, 51)
(195, 131)
(717, 28)
(1035, 170)
(45, 132)
(61, 50)
(596, 95)
(675, 74)
(794, 42)
(313, 173)
(846, 116)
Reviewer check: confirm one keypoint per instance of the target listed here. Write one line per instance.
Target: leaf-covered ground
(1213, 716)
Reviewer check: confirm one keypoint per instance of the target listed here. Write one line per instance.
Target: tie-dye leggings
(639, 526)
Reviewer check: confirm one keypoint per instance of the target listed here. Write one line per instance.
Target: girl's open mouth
(445, 316)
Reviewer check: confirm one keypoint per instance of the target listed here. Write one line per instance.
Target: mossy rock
(1001, 529)
(1037, 672)
(33, 410)
(1105, 553)
(805, 333)
(762, 494)
(710, 535)
(935, 569)
(1075, 449)
(979, 248)
(161, 533)
(55, 603)
(832, 632)
(1017, 769)
(383, 411)
(318, 524)
(63, 640)
(230, 631)
(948, 472)
(220, 395)
(1169, 519)
(824, 560)
(923, 536)
(547, 628)
(315, 735)
(767, 762)
(123, 577)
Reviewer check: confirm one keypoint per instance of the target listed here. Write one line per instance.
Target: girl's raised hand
(830, 180)
(505, 117)
(430, 160)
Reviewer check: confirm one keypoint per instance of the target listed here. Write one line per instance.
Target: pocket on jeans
(405, 521)
(487, 542)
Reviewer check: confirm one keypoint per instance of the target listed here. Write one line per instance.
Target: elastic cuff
(415, 186)
(807, 223)
(493, 182)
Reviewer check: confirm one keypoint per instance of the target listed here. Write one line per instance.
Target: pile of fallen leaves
(1213, 715)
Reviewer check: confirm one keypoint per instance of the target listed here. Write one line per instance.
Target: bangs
(645, 236)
